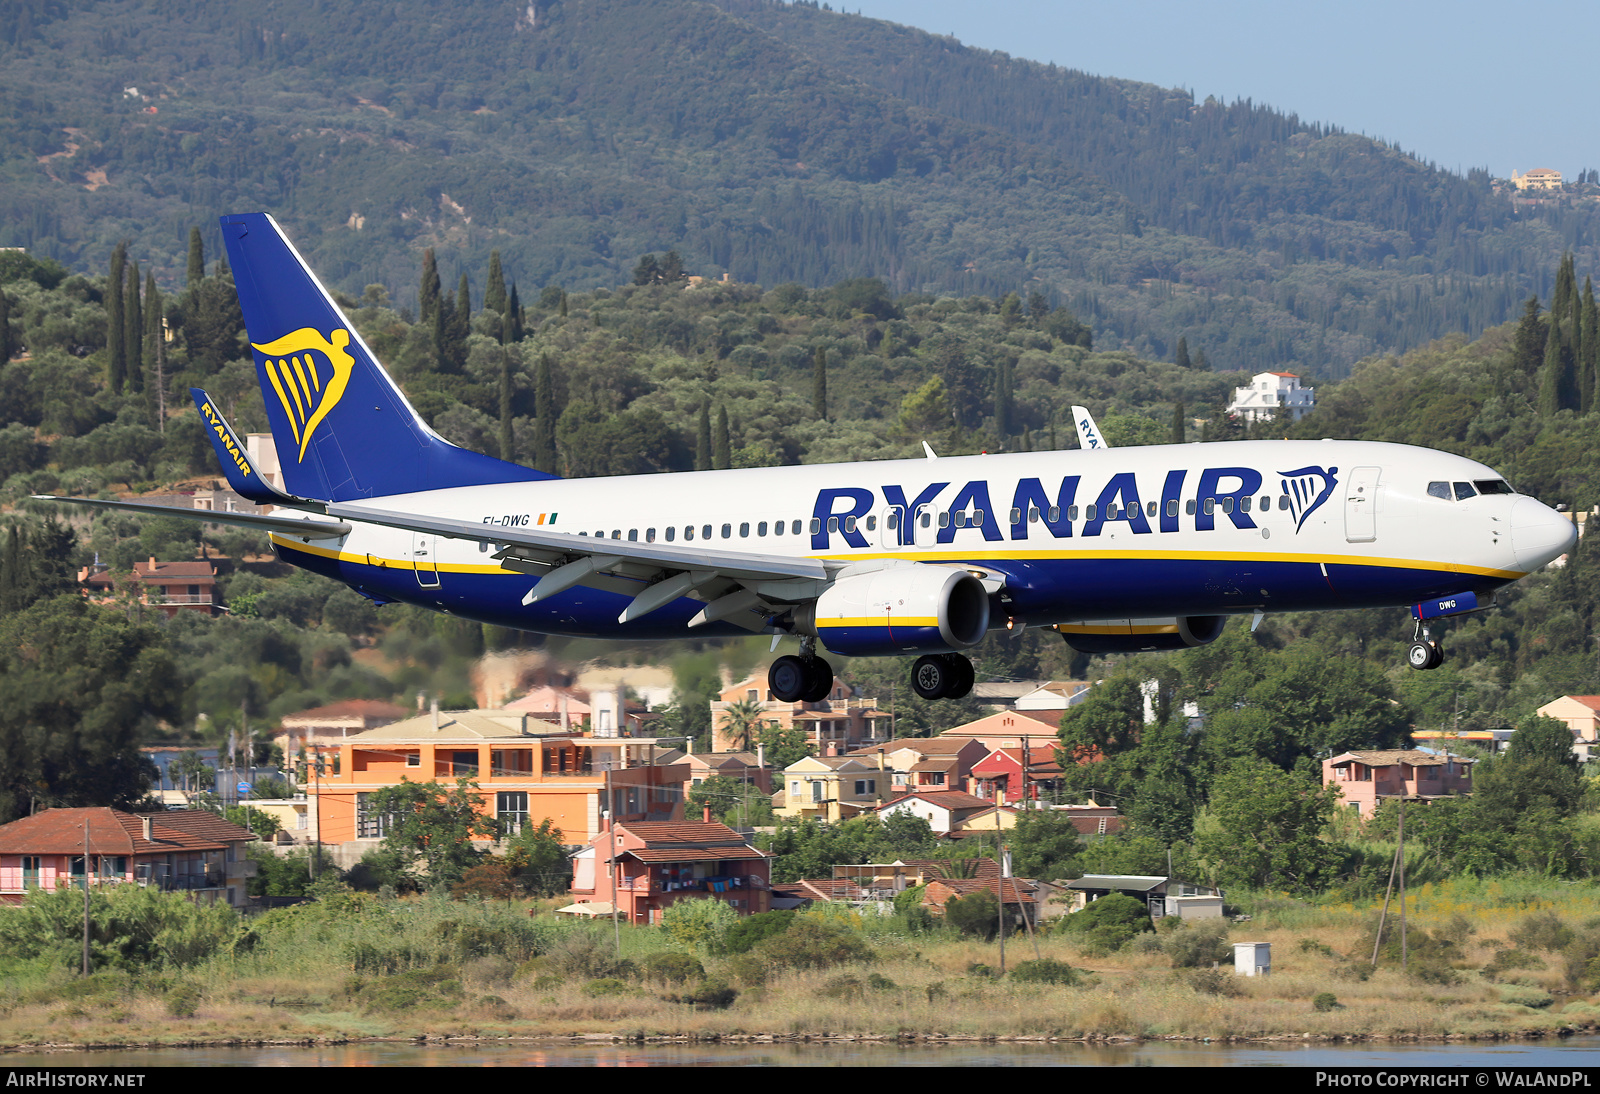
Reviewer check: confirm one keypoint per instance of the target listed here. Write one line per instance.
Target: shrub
(710, 992)
(605, 986)
(588, 954)
(1543, 931)
(1506, 960)
(1200, 944)
(1212, 982)
(1324, 1001)
(844, 987)
(1045, 971)
(699, 923)
(673, 968)
(1525, 997)
(751, 930)
(977, 914)
(814, 944)
(1108, 923)
(183, 1000)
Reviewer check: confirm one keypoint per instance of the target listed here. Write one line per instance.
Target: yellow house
(1582, 715)
(831, 788)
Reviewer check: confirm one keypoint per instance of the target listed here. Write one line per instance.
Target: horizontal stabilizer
(266, 522)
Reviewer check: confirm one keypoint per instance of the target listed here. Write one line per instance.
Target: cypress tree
(1564, 301)
(544, 422)
(1551, 374)
(1589, 354)
(1003, 401)
(1200, 362)
(722, 446)
(155, 345)
(1181, 358)
(505, 406)
(464, 297)
(429, 291)
(1179, 426)
(1528, 345)
(494, 297)
(563, 303)
(116, 321)
(8, 345)
(221, 269)
(511, 328)
(133, 329)
(819, 384)
(197, 260)
(702, 439)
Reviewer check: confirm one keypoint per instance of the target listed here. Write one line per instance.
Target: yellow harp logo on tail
(309, 373)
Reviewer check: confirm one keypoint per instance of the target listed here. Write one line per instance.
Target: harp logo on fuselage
(309, 374)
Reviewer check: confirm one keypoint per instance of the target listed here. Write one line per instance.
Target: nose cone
(1539, 534)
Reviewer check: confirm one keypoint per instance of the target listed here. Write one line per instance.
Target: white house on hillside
(1267, 392)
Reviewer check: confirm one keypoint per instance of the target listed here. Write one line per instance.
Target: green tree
(494, 296)
(546, 416)
(8, 334)
(702, 448)
(741, 723)
(721, 443)
(195, 271)
(1045, 845)
(430, 290)
(79, 688)
(133, 329)
(976, 913)
(434, 825)
(538, 861)
(819, 383)
(1180, 424)
(1181, 357)
(116, 324)
(1268, 830)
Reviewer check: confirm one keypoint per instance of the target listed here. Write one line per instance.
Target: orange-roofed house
(170, 587)
(196, 852)
(643, 868)
(525, 770)
(833, 726)
(1582, 715)
(1037, 729)
(1369, 775)
(923, 763)
(944, 810)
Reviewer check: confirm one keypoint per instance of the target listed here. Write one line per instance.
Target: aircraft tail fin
(1089, 435)
(342, 427)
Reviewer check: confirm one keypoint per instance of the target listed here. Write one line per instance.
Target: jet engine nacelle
(912, 608)
(1142, 635)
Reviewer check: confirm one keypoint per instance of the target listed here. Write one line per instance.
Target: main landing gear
(806, 678)
(1425, 652)
(942, 676)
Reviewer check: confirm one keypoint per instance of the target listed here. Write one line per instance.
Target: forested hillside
(778, 143)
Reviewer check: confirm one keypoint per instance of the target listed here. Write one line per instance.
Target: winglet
(243, 478)
(1088, 433)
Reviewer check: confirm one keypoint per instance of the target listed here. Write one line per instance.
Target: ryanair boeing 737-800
(1118, 549)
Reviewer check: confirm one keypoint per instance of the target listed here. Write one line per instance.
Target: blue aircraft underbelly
(1073, 587)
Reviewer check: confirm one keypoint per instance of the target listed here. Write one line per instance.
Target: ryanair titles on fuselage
(1033, 509)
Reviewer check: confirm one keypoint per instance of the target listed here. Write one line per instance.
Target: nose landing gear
(1425, 652)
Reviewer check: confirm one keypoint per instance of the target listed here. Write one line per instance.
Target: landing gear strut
(942, 676)
(806, 678)
(1425, 652)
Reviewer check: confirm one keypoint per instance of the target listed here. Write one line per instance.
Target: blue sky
(1463, 84)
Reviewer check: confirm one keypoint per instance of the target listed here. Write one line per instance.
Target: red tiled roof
(827, 888)
(113, 832)
(204, 824)
(1015, 893)
(688, 853)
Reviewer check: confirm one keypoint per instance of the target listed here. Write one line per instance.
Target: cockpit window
(1493, 486)
(1464, 491)
(1439, 490)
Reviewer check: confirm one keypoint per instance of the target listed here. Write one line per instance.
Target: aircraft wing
(741, 587)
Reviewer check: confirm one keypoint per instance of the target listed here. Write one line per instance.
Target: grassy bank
(1488, 959)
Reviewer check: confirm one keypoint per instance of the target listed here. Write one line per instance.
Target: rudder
(343, 428)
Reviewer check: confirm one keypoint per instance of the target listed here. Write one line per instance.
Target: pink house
(190, 851)
(643, 867)
(1366, 776)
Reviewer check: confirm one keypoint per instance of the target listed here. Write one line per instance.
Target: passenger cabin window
(761, 528)
(744, 530)
(1283, 502)
(892, 521)
(727, 531)
(796, 528)
(1172, 507)
(777, 527)
(705, 531)
(688, 531)
(672, 533)
(1439, 490)
(816, 525)
(1188, 507)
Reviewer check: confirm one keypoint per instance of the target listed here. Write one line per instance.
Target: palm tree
(740, 721)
